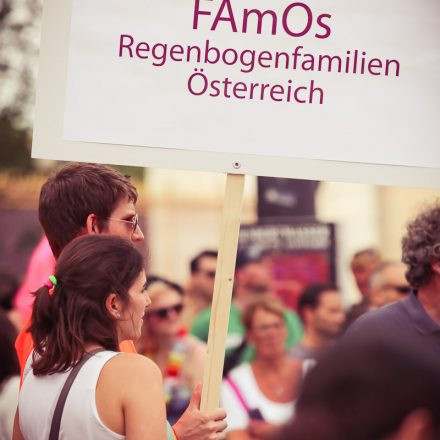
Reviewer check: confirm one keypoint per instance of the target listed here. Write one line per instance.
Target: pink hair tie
(51, 283)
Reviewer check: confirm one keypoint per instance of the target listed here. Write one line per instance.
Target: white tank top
(80, 420)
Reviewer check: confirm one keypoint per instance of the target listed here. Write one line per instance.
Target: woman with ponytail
(95, 299)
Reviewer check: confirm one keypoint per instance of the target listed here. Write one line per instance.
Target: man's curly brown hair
(421, 246)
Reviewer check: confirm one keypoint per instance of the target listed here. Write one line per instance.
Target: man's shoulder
(204, 315)
(391, 316)
(298, 351)
(200, 325)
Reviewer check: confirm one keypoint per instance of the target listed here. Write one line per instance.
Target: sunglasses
(164, 312)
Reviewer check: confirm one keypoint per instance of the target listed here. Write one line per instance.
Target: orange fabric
(24, 346)
(127, 347)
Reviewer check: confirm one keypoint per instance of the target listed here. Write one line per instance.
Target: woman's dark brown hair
(88, 270)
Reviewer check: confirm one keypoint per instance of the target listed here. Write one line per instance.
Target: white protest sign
(315, 89)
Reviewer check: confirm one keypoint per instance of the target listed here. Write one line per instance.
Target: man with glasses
(85, 199)
(388, 284)
(417, 316)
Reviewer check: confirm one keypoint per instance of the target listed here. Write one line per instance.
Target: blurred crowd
(318, 372)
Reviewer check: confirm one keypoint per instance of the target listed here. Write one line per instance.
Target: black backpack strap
(58, 413)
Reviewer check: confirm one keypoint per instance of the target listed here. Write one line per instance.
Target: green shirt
(236, 330)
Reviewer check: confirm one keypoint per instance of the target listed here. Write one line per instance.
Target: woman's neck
(277, 377)
(272, 363)
(89, 346)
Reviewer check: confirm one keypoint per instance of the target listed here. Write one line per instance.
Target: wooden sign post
(224, 281)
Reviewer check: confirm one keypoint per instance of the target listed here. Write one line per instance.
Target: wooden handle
(221, 300)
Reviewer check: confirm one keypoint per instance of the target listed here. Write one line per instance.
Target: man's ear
(113, 305)
(92, 224)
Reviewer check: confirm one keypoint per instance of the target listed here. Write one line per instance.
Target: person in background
(200, 288)
(253, 280)
(363, 265)
(96, 299)
(93, 199)
(377, 386)
(40, 266)
(417, 316)
(388, 284)
(179, 355)
(8, 288)
(259, 396)
(9, 376)
(320, 308)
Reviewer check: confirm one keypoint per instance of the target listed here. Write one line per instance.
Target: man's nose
(137, 234)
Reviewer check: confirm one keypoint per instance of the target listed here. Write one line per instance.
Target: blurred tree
(20, 22)
(19, 35)
(19, 39)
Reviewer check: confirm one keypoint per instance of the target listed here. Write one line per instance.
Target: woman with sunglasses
(96, 298)
(164, 339)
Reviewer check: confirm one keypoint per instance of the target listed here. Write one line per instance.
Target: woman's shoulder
(131, 365)
(295, 366)
(125, 375)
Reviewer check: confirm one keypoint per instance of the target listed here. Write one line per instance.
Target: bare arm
(196, 362)
(142, 400)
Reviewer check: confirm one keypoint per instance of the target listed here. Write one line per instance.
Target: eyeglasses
(164, 312)
(257, 289)
(134, 222)
(403, 290)
(264, 329)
